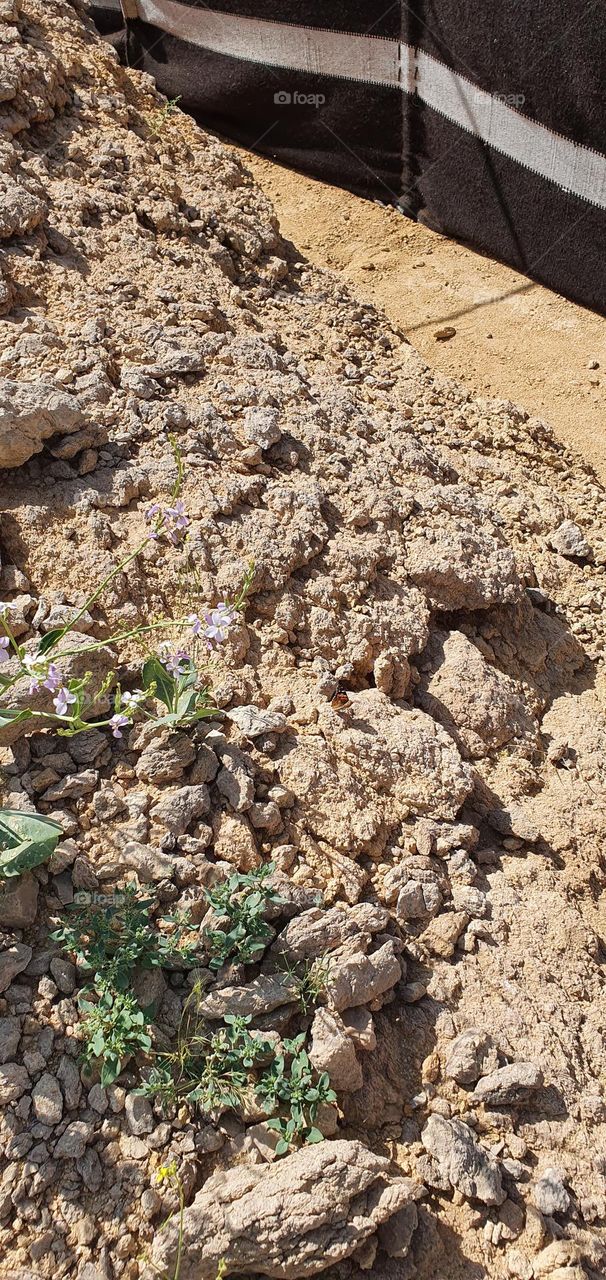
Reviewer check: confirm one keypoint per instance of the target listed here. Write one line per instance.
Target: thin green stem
(177, 1270)
(69, 626)
(11, 637)
(124, 635)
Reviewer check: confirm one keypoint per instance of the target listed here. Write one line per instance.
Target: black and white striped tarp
(488, 122)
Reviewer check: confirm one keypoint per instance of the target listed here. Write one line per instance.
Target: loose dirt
(514, 339)
(412, 725)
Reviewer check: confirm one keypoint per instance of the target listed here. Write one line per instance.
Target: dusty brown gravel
(513, 339)
(442, 558)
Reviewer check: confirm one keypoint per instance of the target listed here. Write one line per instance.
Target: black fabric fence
(487, 122)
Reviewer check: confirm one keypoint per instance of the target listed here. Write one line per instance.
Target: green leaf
(189, 679)
(97, 1043)
(281, 1147)
(13, 717)
(26, 841)
(207, 713)
(165, 686)
(186, 704)
(111, 1069)
(314, 1135)
(50, 639)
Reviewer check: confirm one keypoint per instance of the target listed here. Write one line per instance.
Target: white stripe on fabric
(277, 44)
(377, 60)
(570, 165)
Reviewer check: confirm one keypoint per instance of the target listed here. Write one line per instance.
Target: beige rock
(14, 1081)
(442, 934)
(470, 1055)
(463, 566)
(13, 960)
(235, 841)
(30, 412)
(560, 1253)
(361, 979)
(18, 901)
(481, 707)
(513, 1085)
(332, 1050)
(379, 761)
(165, 757)
(289, 1219)
(318, 931)
(261, 995)
(462, 1161)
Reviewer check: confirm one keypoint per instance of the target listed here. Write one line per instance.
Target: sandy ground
(513, 340)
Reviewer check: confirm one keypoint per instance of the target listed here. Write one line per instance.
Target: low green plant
(216, 1068)
(309, 979)
(294, 1089)
(171, 678)
(109, 940)
(26, 841)
(158, 120)
(114, 1029)
(211, 1066)
(178, 689)
(242, 901)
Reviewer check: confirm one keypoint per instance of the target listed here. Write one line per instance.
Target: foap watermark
(515, 100)
(284, 98)
(84, 898)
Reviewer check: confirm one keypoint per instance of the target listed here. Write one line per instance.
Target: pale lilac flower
(63, 700)
(117, 723)
(196, 624)
(178, 521)
(172, 520)
(53, 678)
(218, 622)
(177, 663)
(6, 607)
(4, 647)
(152, 515)
(134, 699)
(37, 669)
(178, 515)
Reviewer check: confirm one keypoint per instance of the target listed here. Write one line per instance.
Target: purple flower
(218, 622)
(177, 663)
(152, 515)
(177, 515)
(196, 624)
(53, 678)
(117, 723)
(63, 700)
(134, 699)
(4, 647)
(37, 669)
(177, 520)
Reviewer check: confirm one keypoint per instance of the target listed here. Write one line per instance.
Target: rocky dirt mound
(414, 731)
